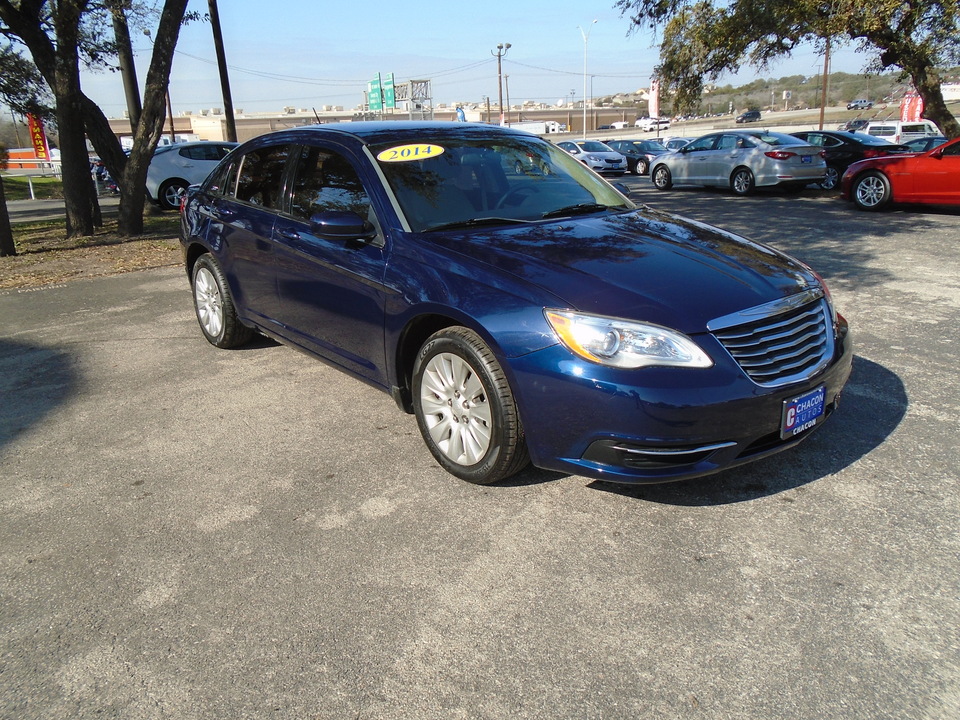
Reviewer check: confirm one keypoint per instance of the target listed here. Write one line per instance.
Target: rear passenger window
(260, 181)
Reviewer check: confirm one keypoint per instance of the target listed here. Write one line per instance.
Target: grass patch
(46, 255)
(17, 187)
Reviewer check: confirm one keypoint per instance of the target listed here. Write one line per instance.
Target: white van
(898, 132)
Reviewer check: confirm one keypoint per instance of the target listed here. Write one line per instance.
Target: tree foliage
(701, 39)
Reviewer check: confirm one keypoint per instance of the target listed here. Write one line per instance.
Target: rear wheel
(871, 191)
(742, 181)
(831, 179)
(661, 178)
(465, 408)
(170, 193)
(216, 312)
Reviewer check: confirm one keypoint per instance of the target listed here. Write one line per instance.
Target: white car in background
(175, 167)
(651, 123)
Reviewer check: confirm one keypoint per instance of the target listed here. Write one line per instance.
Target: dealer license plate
(802, 412)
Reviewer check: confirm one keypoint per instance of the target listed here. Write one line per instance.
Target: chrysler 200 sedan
(523, 317)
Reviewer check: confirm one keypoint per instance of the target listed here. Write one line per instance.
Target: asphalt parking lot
(188, 532)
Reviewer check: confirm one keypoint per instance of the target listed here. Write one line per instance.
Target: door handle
(288, 233)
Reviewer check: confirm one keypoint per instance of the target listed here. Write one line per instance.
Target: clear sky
(311, 53)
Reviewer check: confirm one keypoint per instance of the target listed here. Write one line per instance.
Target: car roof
(374, 132)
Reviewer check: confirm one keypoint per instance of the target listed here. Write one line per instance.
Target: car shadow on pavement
(873, 404)
(34, 381)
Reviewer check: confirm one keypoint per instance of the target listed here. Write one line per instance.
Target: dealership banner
(38, 137)
(911, 107)
(654, 98)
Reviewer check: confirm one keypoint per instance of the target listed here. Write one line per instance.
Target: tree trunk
(7, 246)
(926, 80)
(131, 172)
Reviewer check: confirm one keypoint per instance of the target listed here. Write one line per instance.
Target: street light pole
(501, 51)
(585, 36)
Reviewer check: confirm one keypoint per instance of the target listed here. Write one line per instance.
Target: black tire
(465, 408)
(742, 181)
(832, 178)
(642, 167)
(169, 192)
(214, 306)
(871, 191)
(662, 180)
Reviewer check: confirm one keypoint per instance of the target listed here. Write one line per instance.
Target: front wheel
(465, 408)
(641, 168)
(213, 302)
(742, 181)
(661, 178)
(871, 191)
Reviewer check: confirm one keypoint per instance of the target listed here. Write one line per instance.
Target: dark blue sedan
(534, 316)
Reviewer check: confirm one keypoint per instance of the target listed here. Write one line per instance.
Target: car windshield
(650, 146)
(449, 183)
(593, 146)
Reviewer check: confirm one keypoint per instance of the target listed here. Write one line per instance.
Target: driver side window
(323, 181)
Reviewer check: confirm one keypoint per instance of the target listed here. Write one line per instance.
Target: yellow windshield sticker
(406, 153)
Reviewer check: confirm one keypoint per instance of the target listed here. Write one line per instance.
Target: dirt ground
(46, 256)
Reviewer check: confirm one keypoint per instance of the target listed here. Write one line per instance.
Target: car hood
(604, 154)
(641, 265)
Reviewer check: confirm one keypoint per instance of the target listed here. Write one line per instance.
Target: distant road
(22, 211)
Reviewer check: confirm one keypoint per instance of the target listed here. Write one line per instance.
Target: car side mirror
(937, 153)
(622, 189)
(341, 225)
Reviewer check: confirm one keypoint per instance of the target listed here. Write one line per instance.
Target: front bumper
(656, 424)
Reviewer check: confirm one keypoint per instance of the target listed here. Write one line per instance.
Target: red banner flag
(911, 107)
(38, 137)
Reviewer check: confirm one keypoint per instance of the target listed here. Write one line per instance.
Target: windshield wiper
(578, 209)
(475, 222)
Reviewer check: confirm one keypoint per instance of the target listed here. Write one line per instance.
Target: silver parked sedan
(596, 156)
(742, 161)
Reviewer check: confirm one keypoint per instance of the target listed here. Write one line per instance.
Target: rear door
(239, 210)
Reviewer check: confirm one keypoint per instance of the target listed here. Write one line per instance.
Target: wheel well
(166, 182)
(190, 258)
(411, 340)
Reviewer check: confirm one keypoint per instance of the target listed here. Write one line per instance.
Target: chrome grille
(787, 344)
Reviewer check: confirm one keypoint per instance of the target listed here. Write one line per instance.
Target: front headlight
(625, 344)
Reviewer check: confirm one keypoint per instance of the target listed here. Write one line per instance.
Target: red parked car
(931, 178)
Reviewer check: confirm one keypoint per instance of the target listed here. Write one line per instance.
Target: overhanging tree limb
(701, 39)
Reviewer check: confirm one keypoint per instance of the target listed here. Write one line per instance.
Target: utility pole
(506, 87)
(826, 81)
(222, 65)
(501, 51)
(586, 36)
